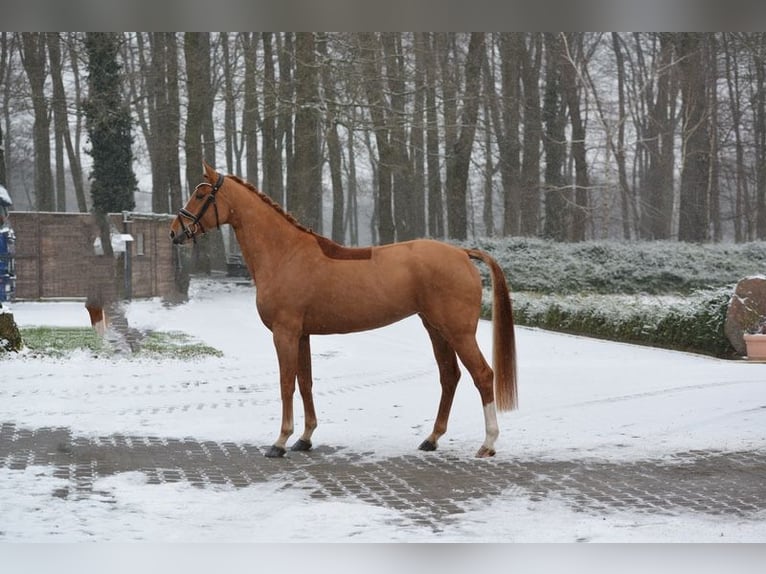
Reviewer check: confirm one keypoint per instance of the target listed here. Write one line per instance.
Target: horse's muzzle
(178, 239)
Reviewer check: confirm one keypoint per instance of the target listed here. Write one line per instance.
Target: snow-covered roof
(5, 197)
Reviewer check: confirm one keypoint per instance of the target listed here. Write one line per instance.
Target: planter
(756, 347)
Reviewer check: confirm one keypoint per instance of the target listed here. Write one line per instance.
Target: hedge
(665, 294)
(693, 323)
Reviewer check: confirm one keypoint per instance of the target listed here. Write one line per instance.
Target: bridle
(191, 230)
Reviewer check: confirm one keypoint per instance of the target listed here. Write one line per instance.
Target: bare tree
(159, 116)
(371, 63)
(35, 61)
(62, 133)
(197, 54)
(285, 111)
(757, 43)
(554, 109)
(628, 208)
(530, 51)
(573, 58)
(4, 54)
(334, 154)
(656, 119)
(695, 184)
(506, 124)
(405, 197)
(742, 229)
(304, 189)
(459, 156)
(250, 115)
(433, 170)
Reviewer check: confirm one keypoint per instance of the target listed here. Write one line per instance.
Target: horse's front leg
(287, 345)
(304, 384)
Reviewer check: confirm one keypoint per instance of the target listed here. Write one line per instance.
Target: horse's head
(196, 216)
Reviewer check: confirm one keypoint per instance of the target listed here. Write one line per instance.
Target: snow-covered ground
(376, 392)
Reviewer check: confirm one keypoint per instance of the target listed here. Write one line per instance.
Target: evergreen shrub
(665, 294)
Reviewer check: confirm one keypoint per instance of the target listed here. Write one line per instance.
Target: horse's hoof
(485, 452)
(275, 452)
(427, 445)
(301, 445)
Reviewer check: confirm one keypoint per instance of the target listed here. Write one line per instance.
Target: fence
(56, 257)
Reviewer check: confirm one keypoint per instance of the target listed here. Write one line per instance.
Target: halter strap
(183, 213)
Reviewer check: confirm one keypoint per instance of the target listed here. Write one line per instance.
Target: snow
(376, 392)
(5, 197)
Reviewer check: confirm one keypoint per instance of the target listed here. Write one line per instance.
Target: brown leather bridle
(195, 224)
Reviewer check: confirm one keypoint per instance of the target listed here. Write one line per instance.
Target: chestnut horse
(307, 284)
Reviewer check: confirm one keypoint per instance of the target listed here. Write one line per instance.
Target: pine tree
(108, 122)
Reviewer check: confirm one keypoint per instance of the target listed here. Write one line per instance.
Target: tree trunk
(759, 134)
(711, 72)
(304, 194)
(417, 137)
(334, 153)
(4, 54)
(529, 215)
(656, 188)
(370, 54)
(60, 124)
(556, 212)
(194, 52)
(34, 60)
(171, 136)
(433, 177)
(619, 152)
(208, 251)
(571, 45)
(272, 148)
(401, 168)
(732, 82)
(250, 111)
(162, 132)
(284, 134)
(507, 127)
(352, 209)
(458, 160)
(695, 172)
(229, 108)
(488, 212)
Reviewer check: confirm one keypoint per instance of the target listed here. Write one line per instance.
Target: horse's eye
(200, 196)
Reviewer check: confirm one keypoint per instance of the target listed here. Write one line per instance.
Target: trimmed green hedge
(693, 323)
(665, 294)
(654, 267)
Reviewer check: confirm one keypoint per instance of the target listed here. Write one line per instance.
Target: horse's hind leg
(449, 374)
(470, 355)
(304, 384)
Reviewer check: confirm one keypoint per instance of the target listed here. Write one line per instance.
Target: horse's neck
(264, 235)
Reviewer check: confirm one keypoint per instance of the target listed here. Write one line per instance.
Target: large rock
(746, 310)
(10, 338)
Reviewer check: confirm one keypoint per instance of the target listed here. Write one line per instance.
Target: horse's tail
(503, 336)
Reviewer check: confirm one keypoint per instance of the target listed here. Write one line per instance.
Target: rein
(191, 230)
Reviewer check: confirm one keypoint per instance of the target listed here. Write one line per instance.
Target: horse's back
(441, 275)
(400, 279)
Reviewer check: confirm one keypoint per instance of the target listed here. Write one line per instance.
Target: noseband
(191, 230)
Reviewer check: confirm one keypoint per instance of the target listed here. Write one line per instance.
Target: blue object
(7, 264)
(7, 250)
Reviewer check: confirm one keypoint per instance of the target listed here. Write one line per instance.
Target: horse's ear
(209, 171)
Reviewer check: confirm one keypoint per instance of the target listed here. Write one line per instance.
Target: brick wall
(55, 256)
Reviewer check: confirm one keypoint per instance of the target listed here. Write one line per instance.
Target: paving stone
(426, 488)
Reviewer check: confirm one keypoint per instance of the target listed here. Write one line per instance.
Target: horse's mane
(271, 203)
(329, 247)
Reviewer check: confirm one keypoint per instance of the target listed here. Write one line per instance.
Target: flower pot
(756, 347)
